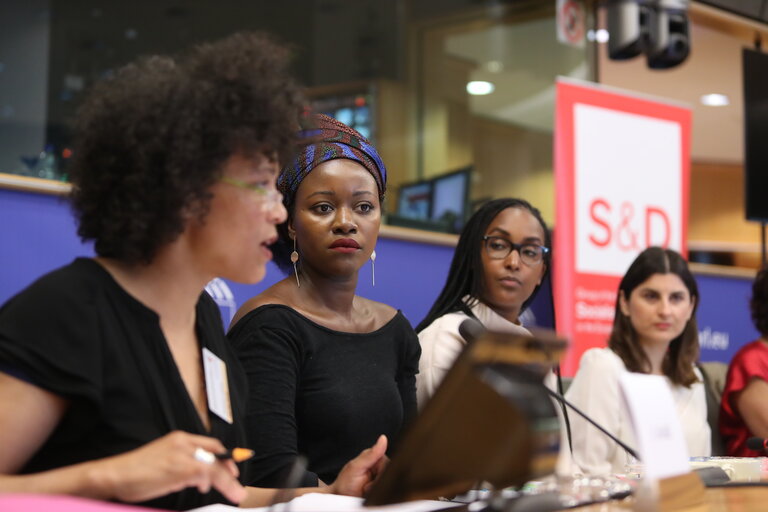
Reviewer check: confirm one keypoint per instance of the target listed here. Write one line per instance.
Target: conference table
(718, 499)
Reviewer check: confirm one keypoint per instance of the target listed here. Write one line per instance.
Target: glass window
(398, 71)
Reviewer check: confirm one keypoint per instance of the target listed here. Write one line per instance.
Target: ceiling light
(494, 66)
(480, 88)
(715, 100)
(600, 35)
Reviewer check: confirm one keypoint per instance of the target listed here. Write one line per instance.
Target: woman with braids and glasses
(654, 332)
(500, 260)
(103, 391)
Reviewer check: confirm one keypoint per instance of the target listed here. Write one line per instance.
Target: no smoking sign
(570, 22)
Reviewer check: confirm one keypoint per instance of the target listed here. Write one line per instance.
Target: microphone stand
(281, 500)
(566, 419)
(581, 413)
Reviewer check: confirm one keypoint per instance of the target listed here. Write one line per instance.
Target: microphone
(291, 482)
(560, 398)
(759, 444)
(471, 329)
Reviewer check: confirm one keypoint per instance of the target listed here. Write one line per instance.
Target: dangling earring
(294, 259)
(373, 267)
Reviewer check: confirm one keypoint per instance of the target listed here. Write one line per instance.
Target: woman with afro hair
(103, 391)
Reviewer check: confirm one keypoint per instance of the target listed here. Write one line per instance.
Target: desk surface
(721, 499)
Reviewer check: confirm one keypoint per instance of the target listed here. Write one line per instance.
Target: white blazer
(595, 390)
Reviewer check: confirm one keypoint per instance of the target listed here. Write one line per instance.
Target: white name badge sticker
(217, 386)
(661, 443)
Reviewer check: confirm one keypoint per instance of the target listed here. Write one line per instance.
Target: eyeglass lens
(500, 248)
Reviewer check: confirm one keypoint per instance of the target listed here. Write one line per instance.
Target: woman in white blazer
(654, 332)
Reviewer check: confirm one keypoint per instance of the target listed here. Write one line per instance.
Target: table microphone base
(682, 492)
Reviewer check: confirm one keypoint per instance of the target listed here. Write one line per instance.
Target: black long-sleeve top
(321, 393)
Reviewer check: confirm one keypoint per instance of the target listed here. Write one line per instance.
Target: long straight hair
(465, 277)
(683, 350)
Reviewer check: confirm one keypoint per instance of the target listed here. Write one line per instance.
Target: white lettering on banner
(621, 205)
(714, 340)
(593, 327)
(594, 311)
(595, 295)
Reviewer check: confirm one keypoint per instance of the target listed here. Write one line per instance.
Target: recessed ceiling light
(480, 87)
(600, 35)
(715, 100)
(494, 66)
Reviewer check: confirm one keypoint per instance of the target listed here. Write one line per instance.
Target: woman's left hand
(357, 476)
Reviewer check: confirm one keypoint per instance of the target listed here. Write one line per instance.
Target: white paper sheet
(659, 435)
(317, 502)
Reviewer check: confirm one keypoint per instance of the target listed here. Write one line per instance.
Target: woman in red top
(744, 409)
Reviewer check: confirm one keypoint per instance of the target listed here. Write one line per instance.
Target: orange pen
(236, 454)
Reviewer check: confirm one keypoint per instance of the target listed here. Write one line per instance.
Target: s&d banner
(621, 182)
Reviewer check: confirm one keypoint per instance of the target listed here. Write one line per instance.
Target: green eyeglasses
(271, 197)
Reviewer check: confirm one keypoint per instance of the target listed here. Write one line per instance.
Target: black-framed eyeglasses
(499, 248)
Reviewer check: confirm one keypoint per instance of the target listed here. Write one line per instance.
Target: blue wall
(38, 234)
(724, 319)
(408, 277)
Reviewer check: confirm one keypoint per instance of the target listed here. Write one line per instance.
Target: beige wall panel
(394, 138)
(513, 162)
(717, 205)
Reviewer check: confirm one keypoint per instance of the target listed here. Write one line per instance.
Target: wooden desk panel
(720, 499)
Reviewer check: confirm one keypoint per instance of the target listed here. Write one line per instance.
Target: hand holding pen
(235, 454)
(168, 464)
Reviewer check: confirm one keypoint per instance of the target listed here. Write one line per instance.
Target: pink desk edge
(56, 503)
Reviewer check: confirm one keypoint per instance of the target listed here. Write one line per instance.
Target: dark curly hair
(151, 140)
(465, 276)
(759, 303)
(684, 350)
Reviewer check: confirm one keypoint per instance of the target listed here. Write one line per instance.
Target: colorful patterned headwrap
(328, 139)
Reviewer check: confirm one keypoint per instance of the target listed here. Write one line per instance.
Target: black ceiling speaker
(755, 73)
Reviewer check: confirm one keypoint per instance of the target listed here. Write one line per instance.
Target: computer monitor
(450, 196)
(489, 420)
(353, 109)
(415, 201)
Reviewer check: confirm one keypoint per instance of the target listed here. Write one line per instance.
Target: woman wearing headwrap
(329, 371)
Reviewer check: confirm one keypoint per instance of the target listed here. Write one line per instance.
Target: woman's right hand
(357, 475)
(164, 466)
